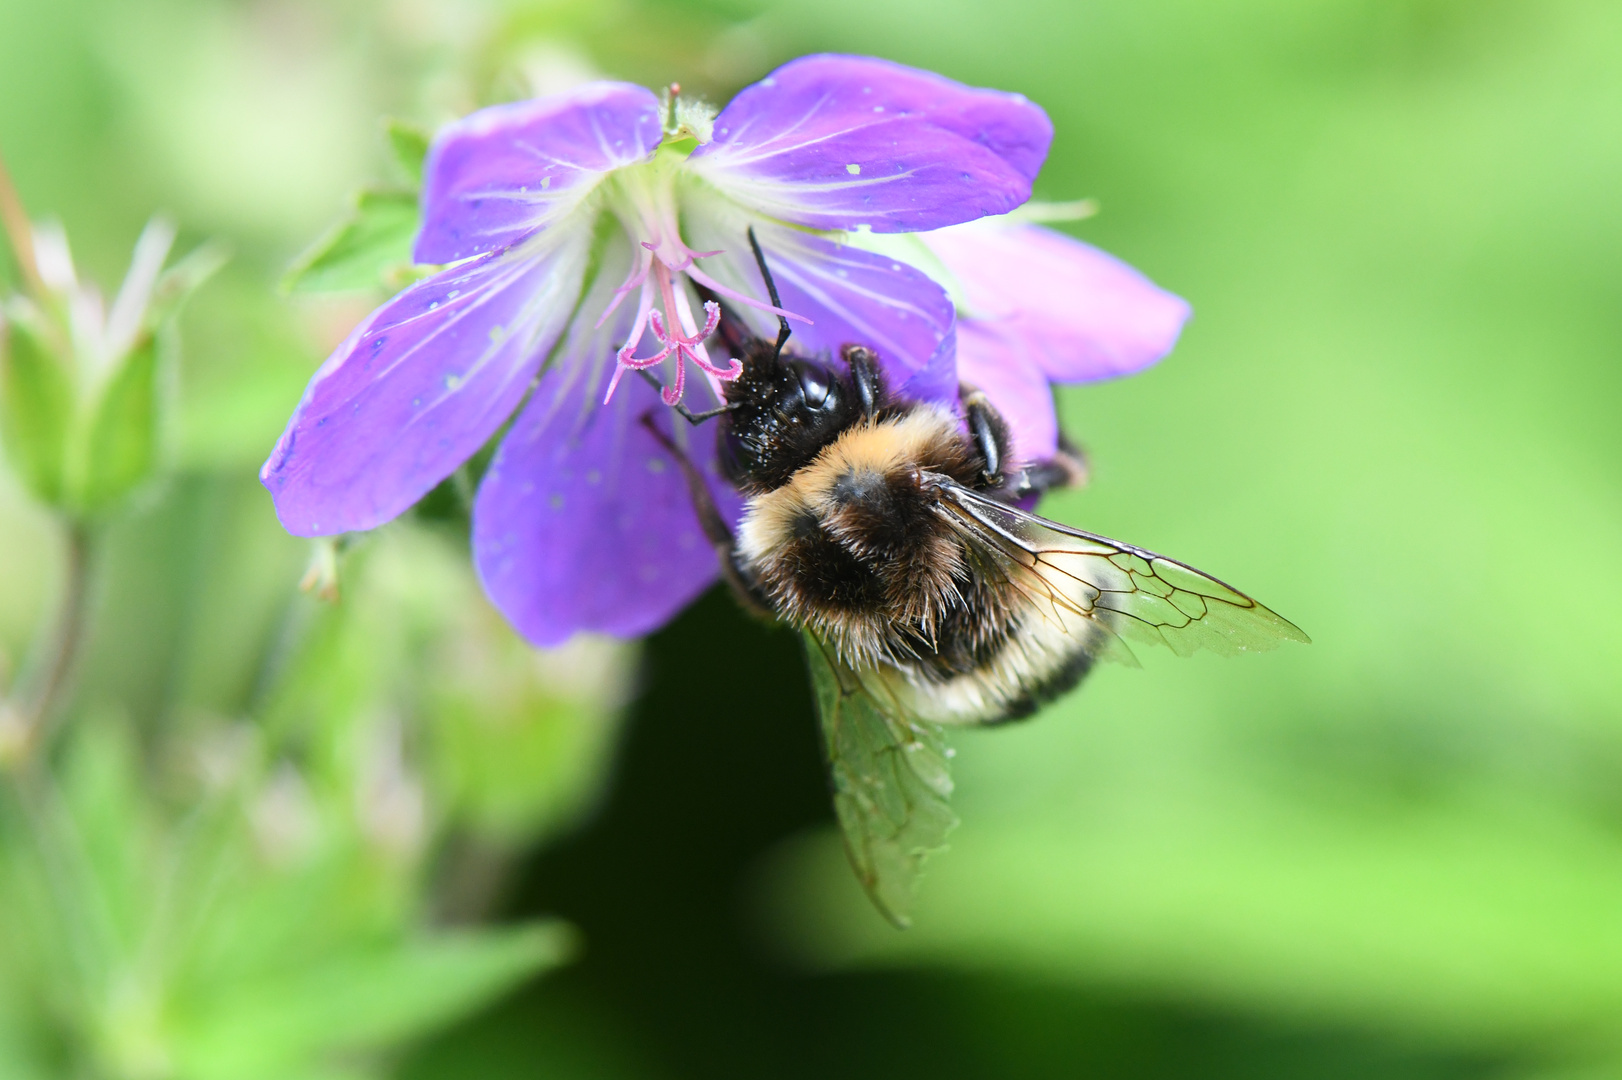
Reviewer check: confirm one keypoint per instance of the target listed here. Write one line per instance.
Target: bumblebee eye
(789, 399)
(818, 389)
(814, 386)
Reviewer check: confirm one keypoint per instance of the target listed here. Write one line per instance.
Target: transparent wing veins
(1149, 597)
(891, 781)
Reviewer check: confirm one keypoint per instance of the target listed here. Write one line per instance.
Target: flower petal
(1082, 314)
(851, 296)
(584, 523)
(849, 142)
(855, 297)
(420, 385)
(1001, 365)
(502, 173)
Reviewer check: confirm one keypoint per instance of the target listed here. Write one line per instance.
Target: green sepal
(1042, 212)
(36, 409)
(410, 146)
(364, 251)
(176, 284)
(122, 438)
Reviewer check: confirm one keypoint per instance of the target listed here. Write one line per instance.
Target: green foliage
(409, 143)
(242, 899)
(370, 248)
(367, 998)
(244, 939)
(258, 842)
(521, 741)
(514, 742)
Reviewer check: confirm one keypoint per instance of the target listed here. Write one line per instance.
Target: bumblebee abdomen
(1037, 657)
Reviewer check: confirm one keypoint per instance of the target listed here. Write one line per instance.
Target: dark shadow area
(721, 762)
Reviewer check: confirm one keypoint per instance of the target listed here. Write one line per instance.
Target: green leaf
(114, 836)
(891, 782)
(121, 444)
(410, 145)
(365, 250)
(271, 1027)
(36, 410)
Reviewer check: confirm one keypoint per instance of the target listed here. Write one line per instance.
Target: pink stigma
(685, 346)
(673, 328)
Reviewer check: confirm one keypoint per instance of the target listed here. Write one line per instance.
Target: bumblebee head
(783, 409)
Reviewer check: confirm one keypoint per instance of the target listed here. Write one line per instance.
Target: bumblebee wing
(1134, 593)
(890, 778)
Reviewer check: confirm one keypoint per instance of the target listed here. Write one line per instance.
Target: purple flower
(576, 228)
(1038, 307)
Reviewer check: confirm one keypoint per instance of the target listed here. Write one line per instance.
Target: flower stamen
(660, 256)
(676, 334)
(684, 345)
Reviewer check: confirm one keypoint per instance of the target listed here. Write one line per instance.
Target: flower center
(644, 200)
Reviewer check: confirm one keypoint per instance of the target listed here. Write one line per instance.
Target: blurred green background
(1396, 418)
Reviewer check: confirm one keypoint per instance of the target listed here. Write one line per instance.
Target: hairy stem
(70, 627)
(14, 220)
(83, 925)
(32, 711)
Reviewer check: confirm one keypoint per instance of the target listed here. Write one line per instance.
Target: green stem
(32, 713)
(14, 220)
(83, 928)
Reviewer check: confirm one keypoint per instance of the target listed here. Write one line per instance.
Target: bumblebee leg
(714, 526)
(864, 378)
(990, 434)
(1068, 467)
(1065, 469)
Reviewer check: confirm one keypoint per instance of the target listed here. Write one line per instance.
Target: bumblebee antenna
(771, 291)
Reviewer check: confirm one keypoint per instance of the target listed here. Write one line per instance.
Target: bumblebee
(892, 533)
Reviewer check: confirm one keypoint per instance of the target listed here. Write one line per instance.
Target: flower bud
(82, 401)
